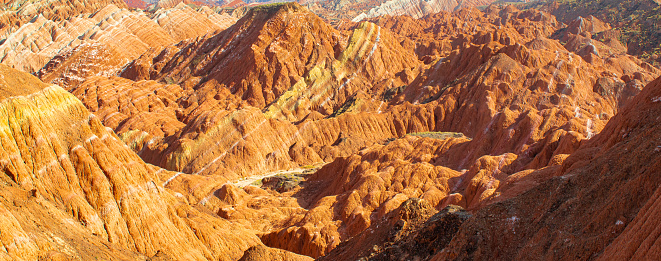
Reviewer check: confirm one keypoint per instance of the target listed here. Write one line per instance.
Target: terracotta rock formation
(182, 22)
(300, 64)
(71, 189)
(173, 3)
(524, 160)
(529, 102)
(214, 115)
(117, 37)
(479, 110)
(161, 124)
(340, 11)
(22, 11)
(635, 21)
(413, 231)
(598, 205)
(257, 253)
(101, 43)
(417, 9)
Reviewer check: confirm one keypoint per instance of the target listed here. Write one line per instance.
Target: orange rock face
(22, 12)
(67, 52)
(71, 189)
(523, 100)
(174, 3)
(182, 22)
(106, 50)
(464, 135)
(218, 115)
(518, 84)
(289, 47)
(265, 253)
(598, 206)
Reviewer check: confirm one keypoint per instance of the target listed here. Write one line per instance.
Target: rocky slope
(73, 190)
(182, 22)
(541, 83)
(118, 37)
(173, 3)
(598, 205)
(101, 43)
(327, 73)
(17, 13)
(636, 22)
(417, 9)
(595, 205)
(139, 4)
(82, 47)
(494, 179)
(399, 124)
(339, 11)
(292, 48)
(524, 99)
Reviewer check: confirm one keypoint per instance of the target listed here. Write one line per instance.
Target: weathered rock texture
(526, 94)
(288, 54)
(474, 109)
(243, 102)
(209, 113)
(413, 231)
(637, 22)
(339, 11)
(139, 4)
(599, 206)
(182, 22)
(72, 189)
(172, 3)
(18, 13)
(531, 103)
(67, 52)
(417, 9)
(258, 253)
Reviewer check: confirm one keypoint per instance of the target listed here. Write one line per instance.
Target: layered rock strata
(73, 190)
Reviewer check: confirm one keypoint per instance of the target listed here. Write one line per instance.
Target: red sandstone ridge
(395, 131)
(635, 21)
(183, 22)
(106, 41)
(293, 62)
(66, 52)
(235, 4)
(524, 101)
(417, 9)
(331, 81)
(72, 190)
(600, 204)
(540, 91)
(552, 81)
(22, 12)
